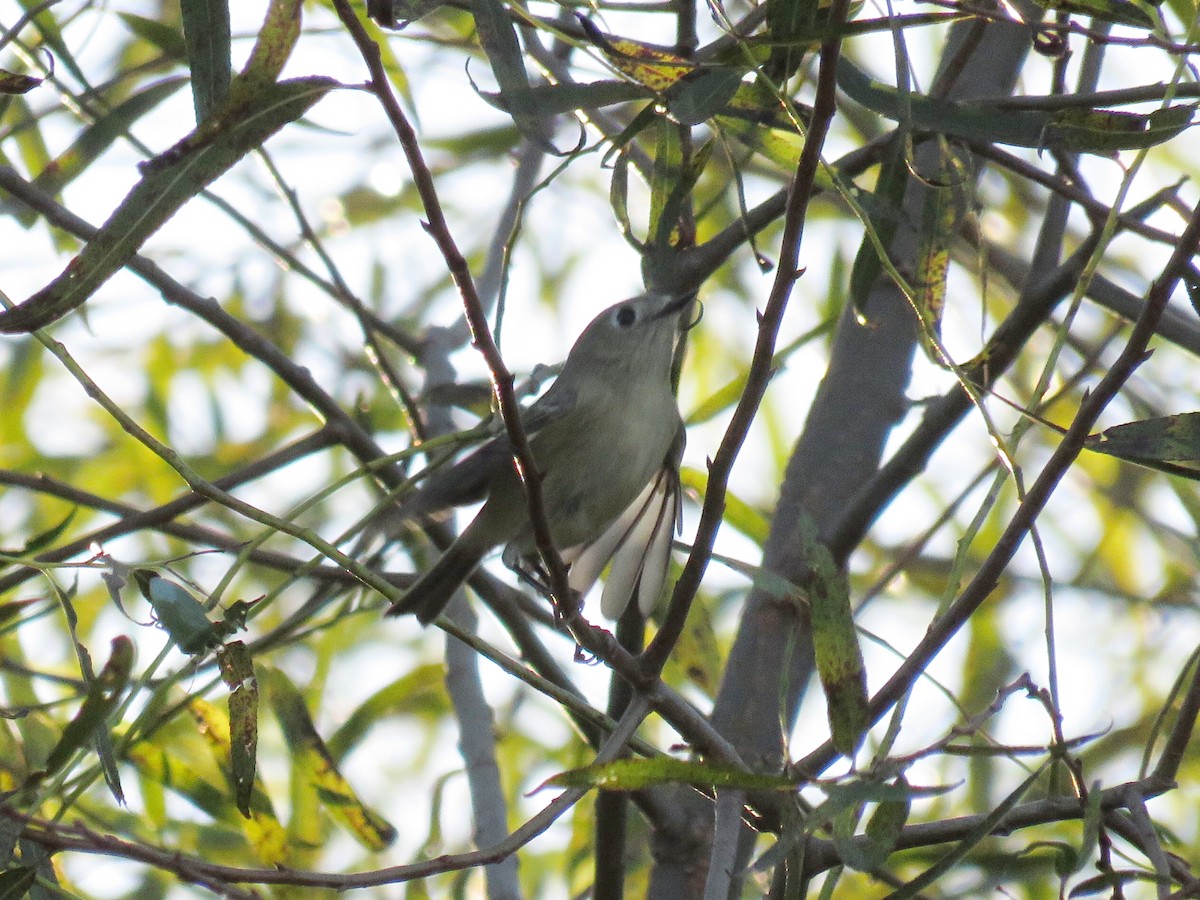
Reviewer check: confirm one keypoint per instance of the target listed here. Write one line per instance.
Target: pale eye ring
(626, 316)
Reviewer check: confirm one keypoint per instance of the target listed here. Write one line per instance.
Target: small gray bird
(606, 438)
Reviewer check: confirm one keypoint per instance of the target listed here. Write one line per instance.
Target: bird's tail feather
(434, 590)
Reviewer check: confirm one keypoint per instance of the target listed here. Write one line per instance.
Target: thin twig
(981, 586)
(481, 334)
(759, 374)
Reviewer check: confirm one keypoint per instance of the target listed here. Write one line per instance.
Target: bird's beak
(675, 305)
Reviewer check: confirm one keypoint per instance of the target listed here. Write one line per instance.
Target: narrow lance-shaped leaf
(1163, 439)
(276, 40)
(648, 65)
(869, 851)
(1081, 131)
(167, 38)
(262, 828)
(103, 695)
(314, 762)
(97, 137)
(786, 21)
(835, 644)
(1107, 131)
(237, 671)
(1117, 12)
(16, 83)
(939, 218)
(16, 882)
(206, 34)
(635, 774)
(556, 99)
(498, 36)
(884, 212)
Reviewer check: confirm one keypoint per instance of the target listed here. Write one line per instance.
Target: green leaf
(168, 182)
(13, 608)
(276, 40)
(702, 94)
(869, 851)
(316, 766)
(1107, 131)
(556, 99)
(498, 36)
(1118, 12)
(835, 644)
(97, 137)
(1081, 131)
(206, 35)
(15, 883)
(664, 180)
(262, 828)
(884, 212)
(167, 38)
(787, 22)
(237, 671)
(102, 697)
(635, 774)
(738, 513)
(1163, 439)
(40, 541)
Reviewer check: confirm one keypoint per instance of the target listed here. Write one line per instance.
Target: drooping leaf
(206, 35)
(868, 851)
(315, 764)
(884, 213)
(237, 671)
(261, 827)
(498, 37)
(167, 38)
(102, 698)
(16, 882)
(556, 99)
(44, 539)
(835, 644)
(787, 22)
(938, 221)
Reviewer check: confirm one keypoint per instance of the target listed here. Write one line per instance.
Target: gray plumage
(600, 435)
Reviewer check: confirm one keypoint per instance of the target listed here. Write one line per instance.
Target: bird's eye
(626, 316)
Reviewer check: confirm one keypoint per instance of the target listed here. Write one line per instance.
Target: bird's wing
(467, 480)
(638, 544)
